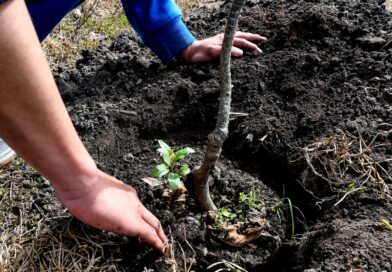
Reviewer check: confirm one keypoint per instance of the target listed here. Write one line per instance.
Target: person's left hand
(211, 48)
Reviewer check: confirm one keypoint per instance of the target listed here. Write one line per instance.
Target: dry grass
(53, 248)
(347, 164)
(93, 23)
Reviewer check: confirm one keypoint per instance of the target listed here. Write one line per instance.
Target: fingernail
(262, 38)
(165, 248)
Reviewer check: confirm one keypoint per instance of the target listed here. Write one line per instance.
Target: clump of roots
(344, 164)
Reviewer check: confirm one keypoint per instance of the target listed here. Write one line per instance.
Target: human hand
(211, 48)
(111, 205)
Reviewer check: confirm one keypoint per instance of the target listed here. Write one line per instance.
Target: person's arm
(160, 26)
(35, 123)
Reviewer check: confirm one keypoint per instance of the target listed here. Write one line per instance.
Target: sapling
(219, 135)
(170, 165)
(278, 209)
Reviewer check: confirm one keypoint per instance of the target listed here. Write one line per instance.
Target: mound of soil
(327, 68)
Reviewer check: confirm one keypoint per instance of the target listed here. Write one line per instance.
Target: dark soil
(327, 67)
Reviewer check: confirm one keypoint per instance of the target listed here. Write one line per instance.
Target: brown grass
(99, 22)
(347, 164)
(38, 234)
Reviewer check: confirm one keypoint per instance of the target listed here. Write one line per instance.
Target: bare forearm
(33, 118)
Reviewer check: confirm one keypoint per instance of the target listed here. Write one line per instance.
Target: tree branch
(219, 135)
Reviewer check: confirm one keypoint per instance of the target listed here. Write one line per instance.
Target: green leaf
(184, 170)
(225, 212)
(174, 181)
(159, 171)
(182, 153)
(243, 197)
(232, 216)
(166, 159)
(162, 151)
(351, 186)
(164, 147)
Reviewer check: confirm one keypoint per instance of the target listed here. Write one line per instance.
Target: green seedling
(278, 209)
(224, 215)
(351, 189)
(250, 199)
(170, 166)
(387, 224)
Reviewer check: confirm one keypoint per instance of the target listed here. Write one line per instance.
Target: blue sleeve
(46, 14)
(159, 25)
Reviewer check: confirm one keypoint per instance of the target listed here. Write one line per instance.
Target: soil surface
(318, 132)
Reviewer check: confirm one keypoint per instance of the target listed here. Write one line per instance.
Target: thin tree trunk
(219, 135)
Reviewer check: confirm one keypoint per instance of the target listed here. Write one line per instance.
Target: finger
(239, 42)
(236, 52)
(150, 236)
(154, 223)
(249, 36)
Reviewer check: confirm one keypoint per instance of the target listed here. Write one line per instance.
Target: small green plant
(170, 165)
(351, 189)
(387, 224)
(224, 215)
(278, 209)
(250, 199)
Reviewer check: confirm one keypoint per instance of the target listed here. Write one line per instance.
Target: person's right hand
(111, 205)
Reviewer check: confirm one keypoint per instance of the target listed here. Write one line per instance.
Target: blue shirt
(158, 22)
